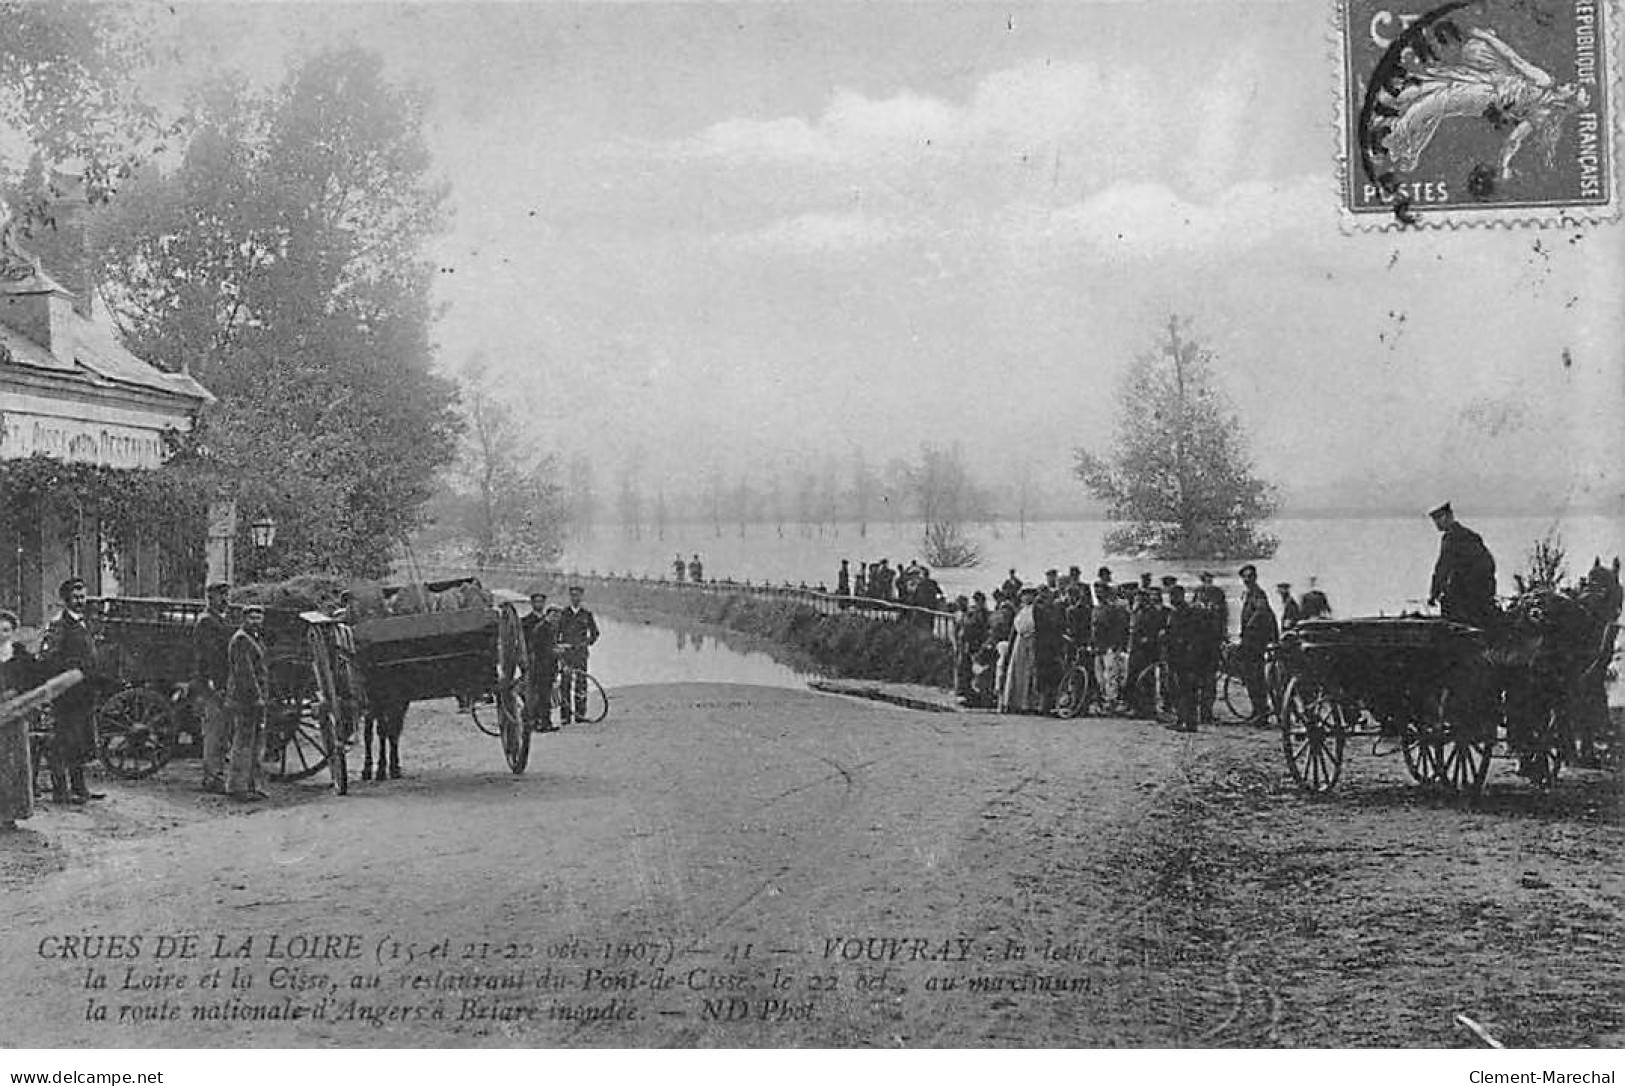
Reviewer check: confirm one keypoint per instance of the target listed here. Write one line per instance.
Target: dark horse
(1553, 655)
(385, 714)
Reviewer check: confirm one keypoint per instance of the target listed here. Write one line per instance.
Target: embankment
(840, 645)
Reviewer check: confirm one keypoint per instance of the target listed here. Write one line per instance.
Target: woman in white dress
(1018, 693)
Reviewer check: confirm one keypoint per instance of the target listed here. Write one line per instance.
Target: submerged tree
(947, 500)
(512, 509)
(1178, 475)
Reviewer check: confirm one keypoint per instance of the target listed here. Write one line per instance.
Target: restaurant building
(70, 390)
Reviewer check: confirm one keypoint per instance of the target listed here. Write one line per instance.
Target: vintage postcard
(811, 525)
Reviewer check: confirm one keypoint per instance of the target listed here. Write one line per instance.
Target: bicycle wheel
(1145, 691)
(597, 704)
(1069, 701)
(483, 713)
(1235, 697)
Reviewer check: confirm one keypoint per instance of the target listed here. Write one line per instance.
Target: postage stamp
(1478, 111)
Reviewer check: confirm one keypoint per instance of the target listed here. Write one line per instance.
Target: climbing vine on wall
(131, 506)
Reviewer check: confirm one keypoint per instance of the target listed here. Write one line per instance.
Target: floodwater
(1367, 566)
(631, 653)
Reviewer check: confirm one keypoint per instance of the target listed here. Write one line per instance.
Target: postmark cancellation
(1478, 112)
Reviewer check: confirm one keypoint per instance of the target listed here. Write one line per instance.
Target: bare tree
(863, 491)
(947, 501)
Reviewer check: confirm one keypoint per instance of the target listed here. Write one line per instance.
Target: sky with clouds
(739, 235)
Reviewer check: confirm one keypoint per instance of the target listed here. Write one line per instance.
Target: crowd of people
(1015, 651)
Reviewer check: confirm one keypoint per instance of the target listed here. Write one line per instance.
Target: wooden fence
(825, 603)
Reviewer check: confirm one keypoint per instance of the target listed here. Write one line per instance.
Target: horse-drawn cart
(1445, 693)
(445, 639)
(146, 646)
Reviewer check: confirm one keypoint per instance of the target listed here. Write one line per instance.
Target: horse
(384, 714)
(1552, 656)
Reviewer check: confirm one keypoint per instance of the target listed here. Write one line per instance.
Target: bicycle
(597, 700)
(1233, 686)
(1080, 690)
(1152, 686)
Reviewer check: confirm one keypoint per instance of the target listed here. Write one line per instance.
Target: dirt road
(730, 865)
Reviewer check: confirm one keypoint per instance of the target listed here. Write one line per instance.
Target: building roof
(91, 352)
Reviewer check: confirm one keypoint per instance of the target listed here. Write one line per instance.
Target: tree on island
(1178, 478)
(948, 501)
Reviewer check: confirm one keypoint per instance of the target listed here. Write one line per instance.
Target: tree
(863, 491)
(67, 95)
(743, 502)
(283, 264)
(582, 497)
(513, 510)
(1178, 472)
(947, 500)
(629, 497)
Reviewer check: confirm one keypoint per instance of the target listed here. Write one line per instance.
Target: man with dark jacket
(1146, 621)
(1183, 649)
(248, 692)
(1258, 632)
(69, 644)
(1108, 636)
(210, 670)
(578, 632)
(1049, 639)
(541, 662)
(1464, 576)
(1291, 615)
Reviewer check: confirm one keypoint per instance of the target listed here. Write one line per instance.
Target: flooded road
(630, 654)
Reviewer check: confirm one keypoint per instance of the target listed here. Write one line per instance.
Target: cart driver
(248, 691)
(210, 669)
(578, 632)
(1464, 576)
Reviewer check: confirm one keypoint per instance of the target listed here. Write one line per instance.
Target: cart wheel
(295, 746)
(1312, 737)
(327, 708)
(1234, 695)
(133, 730)
(1463, 753)
(510, 654)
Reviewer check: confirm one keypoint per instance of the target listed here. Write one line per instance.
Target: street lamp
(263, 530)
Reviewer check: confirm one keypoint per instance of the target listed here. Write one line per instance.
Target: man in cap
(211, 635)
(541, 661)
(1146, 621)
(1184, 651)
(1291, 615)
(578, 632)
(1212, 597)
(1464, 576)
(1258, 631)
(69, 644)
(1108, 636)
(248, 691)
(1209, 601)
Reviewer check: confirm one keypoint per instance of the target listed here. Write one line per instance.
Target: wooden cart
(471, 648)
(145, 710)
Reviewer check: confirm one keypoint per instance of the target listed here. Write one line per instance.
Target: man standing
(1211, 596)
(843, 580)
(972, 631)
(68, 644)
(1290, 613)
(1209, 648)
(678, 569)
(1108, 634)
(696, 572)
(578, 632)
(1144, 643)
(1182, 638)
(1011, 586)
(1464, 576)
(248, 688)
(541, 664)
(211, 669)
(1258, 631)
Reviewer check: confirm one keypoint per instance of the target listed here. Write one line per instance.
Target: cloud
(1148, 221)
(820, 232)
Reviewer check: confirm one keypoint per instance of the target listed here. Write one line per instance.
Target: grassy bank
(839, 645)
